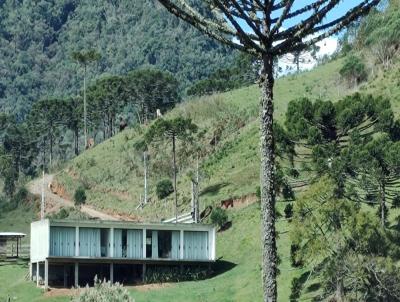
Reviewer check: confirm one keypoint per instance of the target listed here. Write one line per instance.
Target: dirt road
(54, 202)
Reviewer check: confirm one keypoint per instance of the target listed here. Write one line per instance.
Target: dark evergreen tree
(261, 28)
(150, 89)
(174, 129)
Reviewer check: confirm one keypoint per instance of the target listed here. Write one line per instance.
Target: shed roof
(11, 235)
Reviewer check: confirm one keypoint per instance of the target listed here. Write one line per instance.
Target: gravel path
(54, 202)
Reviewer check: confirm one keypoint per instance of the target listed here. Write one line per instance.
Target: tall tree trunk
(76, 140)
(104, 129)
(383, 204)
(339, 294)
(269, 259)
(51, 151)
(109, 125)
(175, 189)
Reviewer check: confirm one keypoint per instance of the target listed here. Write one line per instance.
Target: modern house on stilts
(67, 253)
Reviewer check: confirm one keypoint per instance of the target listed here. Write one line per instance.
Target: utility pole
(197, 192)
(145, 176)
(175, 192)
(42, 204)
(195, 195)
(84, 107)
(193, 203)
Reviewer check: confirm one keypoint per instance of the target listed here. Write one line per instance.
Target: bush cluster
(219, 217)
(80, 196)
(104, 292)
(175, 274)
(164, 188)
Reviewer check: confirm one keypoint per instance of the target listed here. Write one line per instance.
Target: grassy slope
(114, 173)
(18, 221)
(234, 172)
(386, 84)
(14, 285)
(115, 185)
(13, 276)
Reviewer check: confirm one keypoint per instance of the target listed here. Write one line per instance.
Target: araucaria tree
(175, 129)
(84, 58)
(267, 29)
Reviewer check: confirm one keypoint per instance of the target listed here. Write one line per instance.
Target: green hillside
(37, 39)
(112, 174)
(113, 171)
(114, 183)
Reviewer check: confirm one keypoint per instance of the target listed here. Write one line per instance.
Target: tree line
(53, 129)
(347, 154)
(37, 39)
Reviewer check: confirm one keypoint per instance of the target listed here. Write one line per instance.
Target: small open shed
(10, 244)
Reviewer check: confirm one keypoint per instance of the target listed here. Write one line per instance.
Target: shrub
(80, 196)
(258, 193)
(219, 217)
(62, 214)
(287, 192)
(396, 201)
(288, 211)
(104, 292)
(353, 70)
(294, 248)
(296, 288)
(176, 274)
(164, 188)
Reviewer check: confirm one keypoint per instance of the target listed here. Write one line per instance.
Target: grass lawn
(15, 286)
(239, 280)
(113, 175)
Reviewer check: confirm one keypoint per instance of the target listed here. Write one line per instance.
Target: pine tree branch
(282, 18)
(343, 22)
(243, 37)
(211, 29)
(299, 31)
(249, 22)
(303, 10)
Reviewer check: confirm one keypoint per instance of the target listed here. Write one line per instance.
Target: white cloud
(327, 47)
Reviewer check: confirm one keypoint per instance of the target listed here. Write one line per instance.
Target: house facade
(67, 253)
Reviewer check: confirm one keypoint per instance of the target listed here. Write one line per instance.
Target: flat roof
(11, 235)
(127, 224)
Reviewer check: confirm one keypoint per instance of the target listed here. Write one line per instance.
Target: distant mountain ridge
(37, 38)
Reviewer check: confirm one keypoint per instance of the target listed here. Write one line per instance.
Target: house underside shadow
(62, 274)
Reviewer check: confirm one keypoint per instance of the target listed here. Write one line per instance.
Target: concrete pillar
(30, 271)
(77, 241)
(37, 274)
(112, 273)
(65, 276)
(144, 273)
(76, 271)
(144, 243)
(46, 274)
(112, 242)
(181, 246)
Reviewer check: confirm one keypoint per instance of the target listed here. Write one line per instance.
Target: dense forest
(38, 37)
